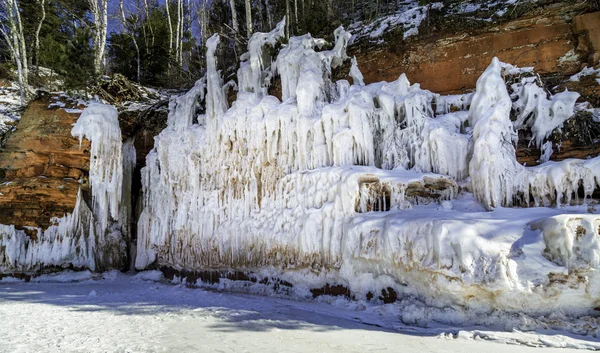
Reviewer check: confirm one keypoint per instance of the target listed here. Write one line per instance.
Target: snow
(64, 277)
(10, 107)
(152, 276)
(409, 15)
(117, 315)
(586, 71)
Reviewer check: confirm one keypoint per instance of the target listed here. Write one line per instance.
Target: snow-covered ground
(10, 107)
(127, 313)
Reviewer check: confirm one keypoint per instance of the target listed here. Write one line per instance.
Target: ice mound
(572, 240)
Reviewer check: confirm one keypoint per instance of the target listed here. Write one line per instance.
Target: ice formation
(358, 185)
(539, 113)
(92, 236)
(493, 169)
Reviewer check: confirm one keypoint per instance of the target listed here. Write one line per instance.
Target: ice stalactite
(216, 102)
(408, 134)
(213, 178)
(182, 110)
(493, 169)
(357, 76)
(99, 123)
(72, 240)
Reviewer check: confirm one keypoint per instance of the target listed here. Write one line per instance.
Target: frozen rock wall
(91, 236)
(335, 185)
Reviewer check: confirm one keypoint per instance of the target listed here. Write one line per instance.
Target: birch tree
(287, 19)
(269, 17)
(178, 32)
(170, 29)
(12, 31)
(37, 34)
(234, 20)
(248, 18)
(99, 9)
(180, 21)
(148, 24)
(203, 21)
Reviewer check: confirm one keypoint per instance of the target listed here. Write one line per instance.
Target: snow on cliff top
(410, 14)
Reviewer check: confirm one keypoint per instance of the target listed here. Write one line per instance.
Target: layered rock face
(41, 167)
(66, 201)
(555, 39)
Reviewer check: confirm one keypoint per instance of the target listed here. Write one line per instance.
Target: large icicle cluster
(92, 236)
(231, 165)
(334, 184)
(496, 177)
(99, 123)
(539, 113)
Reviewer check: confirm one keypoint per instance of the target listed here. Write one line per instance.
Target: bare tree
(234, 20)
(12, 31)
(248, 18)
(296, 14)
(287, 19)
(269, 16)
(148, 24)
(133, 38)
(181, 22)
(203, 21)
(99, 9)
(170, 30)
(37, 34)
(178, 32)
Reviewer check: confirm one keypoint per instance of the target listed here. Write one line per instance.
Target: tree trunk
(296, 14)
(178, 32)
(132, 35)
(13, 33)
(269, 17)
(248, 18)
(287, 19)
(37, 36)
(170, 31)
(99, 9)
(22, 43)
(234, 20)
